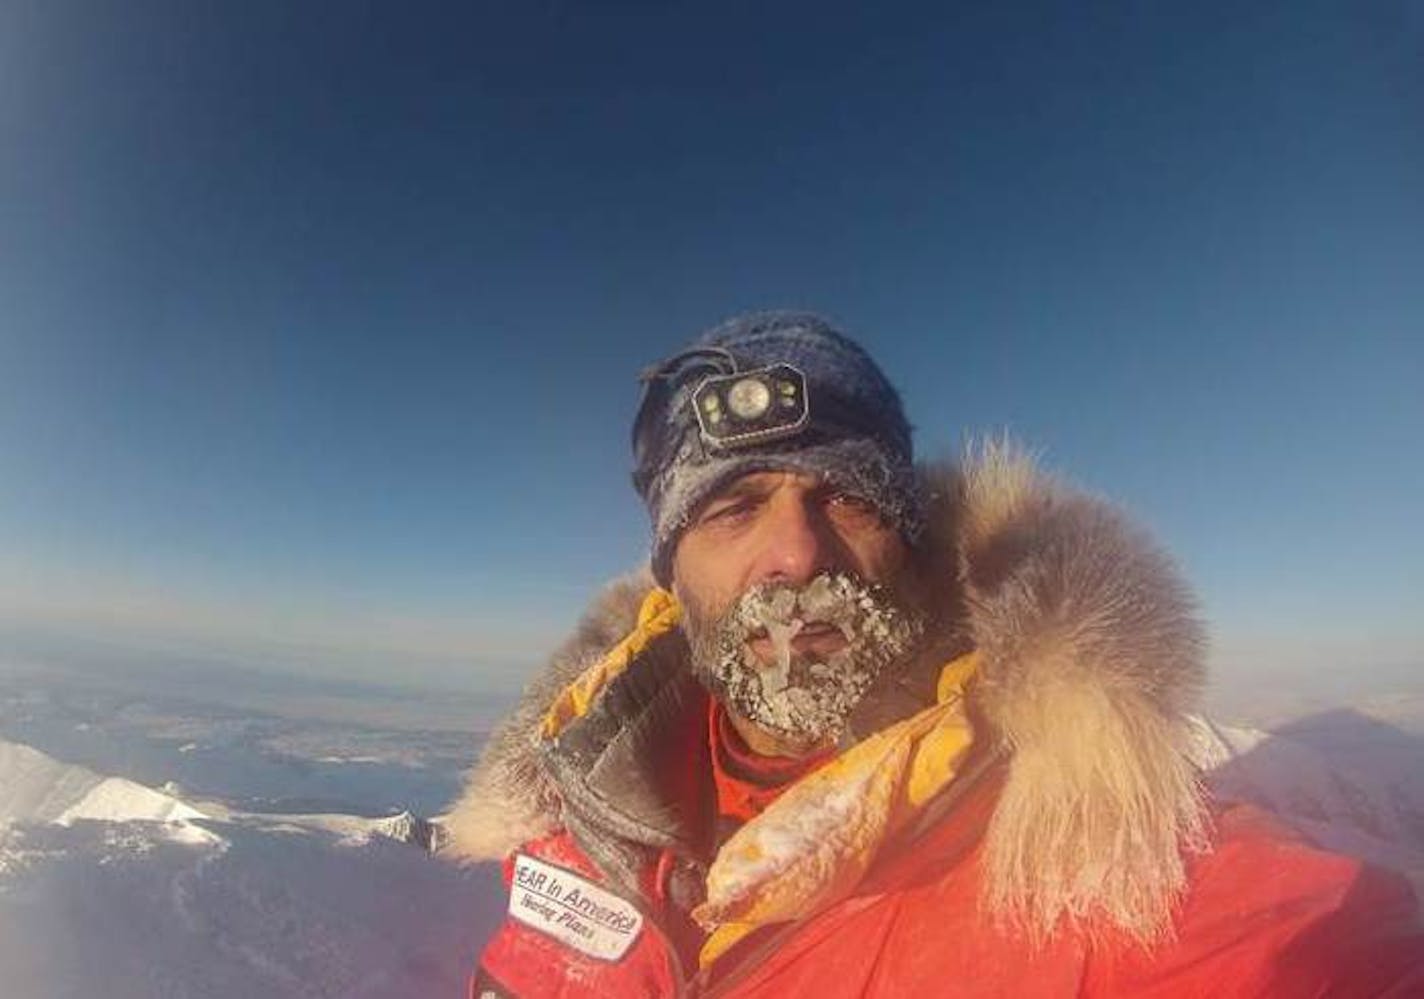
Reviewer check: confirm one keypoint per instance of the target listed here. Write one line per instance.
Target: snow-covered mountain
(1350, 783)
(36, 788)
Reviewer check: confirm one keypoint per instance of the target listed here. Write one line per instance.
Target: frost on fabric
(810, 845)
(784, 839)
(858, 465)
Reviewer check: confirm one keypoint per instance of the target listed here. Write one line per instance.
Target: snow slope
(110, 888)
(1367, 803)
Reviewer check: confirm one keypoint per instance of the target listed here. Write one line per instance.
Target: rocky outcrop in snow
(407, 828)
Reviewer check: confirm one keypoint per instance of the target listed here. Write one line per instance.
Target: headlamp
(751, 407)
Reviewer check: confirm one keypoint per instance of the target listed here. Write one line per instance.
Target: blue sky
(319, 325)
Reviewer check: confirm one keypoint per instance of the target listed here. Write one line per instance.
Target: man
(869, 730)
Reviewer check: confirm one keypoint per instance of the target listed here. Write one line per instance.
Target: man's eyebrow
(741, 488)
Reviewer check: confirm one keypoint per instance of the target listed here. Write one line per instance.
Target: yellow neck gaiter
(815, 843)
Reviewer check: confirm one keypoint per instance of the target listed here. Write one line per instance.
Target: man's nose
(796, 544)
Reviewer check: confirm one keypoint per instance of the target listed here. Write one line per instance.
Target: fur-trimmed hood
(1091, 660)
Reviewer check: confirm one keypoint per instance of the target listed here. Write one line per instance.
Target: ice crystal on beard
(808, 699)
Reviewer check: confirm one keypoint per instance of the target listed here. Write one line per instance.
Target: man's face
(796, 596)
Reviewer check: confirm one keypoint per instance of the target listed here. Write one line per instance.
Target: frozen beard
(804, 698)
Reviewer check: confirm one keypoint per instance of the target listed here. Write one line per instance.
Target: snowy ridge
(115, 799)
(1365, 811)
(353, 830)
(37, 788)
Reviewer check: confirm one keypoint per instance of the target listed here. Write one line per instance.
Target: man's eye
(851, 505)
(728, 512)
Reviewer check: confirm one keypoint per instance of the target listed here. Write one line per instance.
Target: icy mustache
(782, 612)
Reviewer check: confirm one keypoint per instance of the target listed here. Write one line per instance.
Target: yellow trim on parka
(658, 614)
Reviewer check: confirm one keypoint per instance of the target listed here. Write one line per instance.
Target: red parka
(1266, 914)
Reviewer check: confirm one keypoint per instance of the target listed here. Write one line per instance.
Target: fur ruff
(1091, 660)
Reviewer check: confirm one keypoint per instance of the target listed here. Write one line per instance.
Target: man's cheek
(700, 612)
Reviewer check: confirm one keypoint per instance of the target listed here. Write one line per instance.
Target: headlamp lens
(749, 398)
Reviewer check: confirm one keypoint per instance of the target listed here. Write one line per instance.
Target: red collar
(747, 782)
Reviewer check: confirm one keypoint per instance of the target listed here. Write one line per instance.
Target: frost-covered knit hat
(842, 420)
